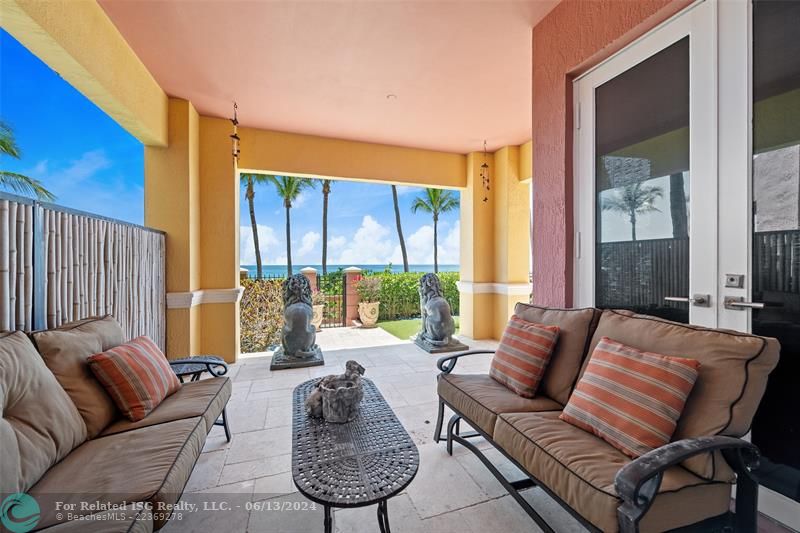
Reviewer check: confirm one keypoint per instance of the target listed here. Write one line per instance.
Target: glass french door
(645, 169)
(687, 195)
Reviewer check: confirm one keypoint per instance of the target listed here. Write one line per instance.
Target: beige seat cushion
(480, 399)
(732, 376)
(128, 519)
(204, 398)
(39, 425)
(150, 464)
(65, 351)
(576, 327)
(580, 469)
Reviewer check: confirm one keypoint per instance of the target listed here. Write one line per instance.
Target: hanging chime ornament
(235, 137)
(485, 174)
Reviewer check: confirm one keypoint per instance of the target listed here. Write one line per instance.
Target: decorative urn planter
(340, 399)
(368, 313)
(316, 318)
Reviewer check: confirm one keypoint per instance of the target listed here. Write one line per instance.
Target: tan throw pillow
(522, 356)
(65, 350)
(39, 425)
(630, 398)
(136, 375)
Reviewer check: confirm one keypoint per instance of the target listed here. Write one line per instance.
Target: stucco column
(351, 277)
(171, 204)
(311, 275)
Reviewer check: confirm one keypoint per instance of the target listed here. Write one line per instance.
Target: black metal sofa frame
(637, 483)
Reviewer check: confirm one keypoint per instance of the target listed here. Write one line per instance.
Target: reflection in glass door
(776, 234)
(642, 186)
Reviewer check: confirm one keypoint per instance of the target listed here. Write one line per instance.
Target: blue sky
(90, 163)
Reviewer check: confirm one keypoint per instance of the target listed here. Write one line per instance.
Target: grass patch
(403, 329)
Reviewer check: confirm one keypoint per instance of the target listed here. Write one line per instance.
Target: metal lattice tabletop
(359, 463)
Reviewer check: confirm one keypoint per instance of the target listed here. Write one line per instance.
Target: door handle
(737, 303)
(700, 300)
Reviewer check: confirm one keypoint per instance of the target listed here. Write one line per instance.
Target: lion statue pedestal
(298, 337)
(438, 326)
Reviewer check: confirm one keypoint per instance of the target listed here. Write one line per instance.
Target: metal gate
(333, 289)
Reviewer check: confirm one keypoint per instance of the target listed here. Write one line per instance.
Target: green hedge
(400, 298)
(261, 314)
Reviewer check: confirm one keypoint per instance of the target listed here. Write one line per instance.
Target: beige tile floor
(252, 474)
(448, 494)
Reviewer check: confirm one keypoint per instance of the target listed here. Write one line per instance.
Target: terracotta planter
(368, 313)
(316, 317)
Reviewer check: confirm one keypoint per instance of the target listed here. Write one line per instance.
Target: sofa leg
(451, 425)
(437, 436)
(746, 517)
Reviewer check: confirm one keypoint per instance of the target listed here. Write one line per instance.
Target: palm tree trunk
(399, 229)
(435, 244)
(677, 207)
(288, 243)
(633, 226)
(250, 194)
(325, 193)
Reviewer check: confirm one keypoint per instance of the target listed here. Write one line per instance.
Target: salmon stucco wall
(576, 35)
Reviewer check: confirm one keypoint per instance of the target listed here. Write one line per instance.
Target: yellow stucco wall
(526, 162)
(308, 155)
(78, 40)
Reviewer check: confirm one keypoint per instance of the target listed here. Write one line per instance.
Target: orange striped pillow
(522, 356)
(630, 398)
(136, 375)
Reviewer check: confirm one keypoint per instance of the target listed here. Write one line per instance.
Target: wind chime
(235, 136)
(485, 175)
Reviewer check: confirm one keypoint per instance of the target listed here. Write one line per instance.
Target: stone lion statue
(299, 334)
(438, 325)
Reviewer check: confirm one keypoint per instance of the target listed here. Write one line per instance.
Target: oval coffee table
(362, 462)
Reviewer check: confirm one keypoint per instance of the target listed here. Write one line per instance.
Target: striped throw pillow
(136, 375)
(522, 356)
(630, 398)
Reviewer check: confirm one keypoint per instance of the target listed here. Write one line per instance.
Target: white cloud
(79, 170)
(419, 246)
(308, 243)
(266, 242)
(406, 189)
(336, 243)
(301, 199)
(371, 244)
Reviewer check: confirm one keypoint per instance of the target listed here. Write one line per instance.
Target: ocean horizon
(278, 271)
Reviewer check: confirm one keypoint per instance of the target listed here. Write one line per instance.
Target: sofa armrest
(637, 483)
(214, 365)
(447, 364)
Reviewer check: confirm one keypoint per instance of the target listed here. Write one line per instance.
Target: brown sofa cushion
(150, 464)
(205, 398)
(129, 519)
(480, 399)
(65, 351)
(580, 469)
(732, 376)
(575, 330)
(39, 425)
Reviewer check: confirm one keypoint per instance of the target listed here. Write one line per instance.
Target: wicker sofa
(685, 484)
(63, 441)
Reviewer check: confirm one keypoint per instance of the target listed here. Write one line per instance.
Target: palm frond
(8, 145)
(24, 185)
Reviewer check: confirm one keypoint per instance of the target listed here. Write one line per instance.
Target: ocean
(279, 271)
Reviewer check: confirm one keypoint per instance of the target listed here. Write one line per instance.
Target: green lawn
(403, 329)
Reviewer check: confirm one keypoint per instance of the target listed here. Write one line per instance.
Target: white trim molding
(185, 300)
(508, 289)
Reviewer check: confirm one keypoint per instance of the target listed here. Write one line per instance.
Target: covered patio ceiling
(435, 75)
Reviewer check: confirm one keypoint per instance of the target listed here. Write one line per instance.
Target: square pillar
(351, 276)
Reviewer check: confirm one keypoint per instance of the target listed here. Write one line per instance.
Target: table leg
(328, 520)
(383, 516)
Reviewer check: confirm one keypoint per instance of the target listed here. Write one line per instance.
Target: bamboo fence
(58, 265)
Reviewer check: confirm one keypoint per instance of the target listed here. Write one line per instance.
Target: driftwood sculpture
(298, 337)
(438, 326)
(336, 398)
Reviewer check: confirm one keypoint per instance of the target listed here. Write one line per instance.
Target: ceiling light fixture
(485, 174)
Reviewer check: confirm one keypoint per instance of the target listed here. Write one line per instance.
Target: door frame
(698, 22)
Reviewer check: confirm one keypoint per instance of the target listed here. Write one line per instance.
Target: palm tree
(289, 188)
(435, 202)
(634, 200)
(399, 228)
(18, 182)
(326, 190)
(677, 207)
(249, 181)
